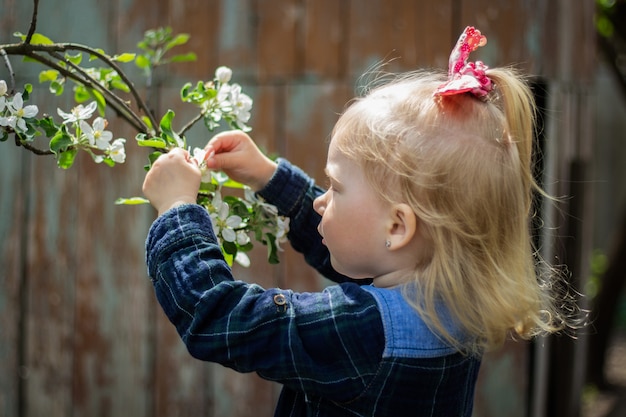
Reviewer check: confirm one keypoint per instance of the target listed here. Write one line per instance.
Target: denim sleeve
(293, 192)
(329, 343)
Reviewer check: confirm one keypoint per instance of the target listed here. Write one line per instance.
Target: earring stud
(387, 243)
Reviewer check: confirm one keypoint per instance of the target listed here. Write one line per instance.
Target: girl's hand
(235, 153)
(174, 179)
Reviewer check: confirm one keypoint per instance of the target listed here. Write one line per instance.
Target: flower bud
(223, 74)
(3, 88)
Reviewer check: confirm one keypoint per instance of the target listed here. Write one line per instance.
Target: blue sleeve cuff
(287, 188)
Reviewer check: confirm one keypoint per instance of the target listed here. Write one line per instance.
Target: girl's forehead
(339, 163)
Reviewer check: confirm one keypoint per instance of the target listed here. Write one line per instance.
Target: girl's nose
(319, 204)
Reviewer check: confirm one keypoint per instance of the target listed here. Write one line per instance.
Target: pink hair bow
(463, 76)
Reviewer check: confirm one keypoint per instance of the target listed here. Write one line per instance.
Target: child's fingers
(219, 161)
(222, 142)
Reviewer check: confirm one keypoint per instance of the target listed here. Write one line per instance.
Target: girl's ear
(402, 226)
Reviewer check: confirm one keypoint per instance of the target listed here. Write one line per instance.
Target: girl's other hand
(174, 179)
(235, 153)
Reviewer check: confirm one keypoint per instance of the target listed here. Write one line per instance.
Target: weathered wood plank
(386, 30)
(14, 164)
(51, 271)
(112, 359)
(325, 31)
(237, 36)
(507, 27)
(278, 39)
(199, 17)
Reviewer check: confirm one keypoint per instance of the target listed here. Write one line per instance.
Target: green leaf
(102, 104)
(48, 75)
(74, 59)
(230, 248)
(142, 62)
(228, 258)
(272, 250)
(125, 57)
(147, 121)
(37, 39)
(93, 57)
(28, 88)
(179, 39)
(167, 133)
(153, 157)
(66, 159)
(48, 126)
(81, 94)
(60, 141)
(120, 85)
(184, 57)
(233, 184)
(56, 88)
(31, 130)
(184, 92)
(166, 121)
(238, 207)
(157, 143)
(247, 247)
(133, 201)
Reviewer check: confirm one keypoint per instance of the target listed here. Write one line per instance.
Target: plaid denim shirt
(350, 350)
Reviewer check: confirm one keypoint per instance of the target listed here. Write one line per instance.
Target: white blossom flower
(96, 134)
(223, 74)
(116, 151)
(79, 112)
(19, 112)
(199, 155)
(3, 91)
(242, 259)
(240, 104)
(242, 238)
(282, 228)
(269, 210)
(223, 223)
(223, 97)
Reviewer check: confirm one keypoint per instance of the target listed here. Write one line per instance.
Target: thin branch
(51, 64)
(190, 124)
(31, 148)
(7, 63)
(119, 104)
(33, 22)
(51, 49)
(140, 102)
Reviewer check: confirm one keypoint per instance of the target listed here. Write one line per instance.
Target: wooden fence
(81, 334)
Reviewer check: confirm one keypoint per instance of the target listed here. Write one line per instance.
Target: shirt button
(281, 302)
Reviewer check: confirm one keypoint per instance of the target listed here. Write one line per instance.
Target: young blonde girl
(425, 227)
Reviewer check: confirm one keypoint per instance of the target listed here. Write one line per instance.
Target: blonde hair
(465, 167)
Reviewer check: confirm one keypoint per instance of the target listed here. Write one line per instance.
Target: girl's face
(353, 219)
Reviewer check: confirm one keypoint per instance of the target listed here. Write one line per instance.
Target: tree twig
(120, 106)
(7, 63)
(31, 148)
(33, 22)
(190, 124)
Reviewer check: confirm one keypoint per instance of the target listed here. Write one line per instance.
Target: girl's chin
(350, 274)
